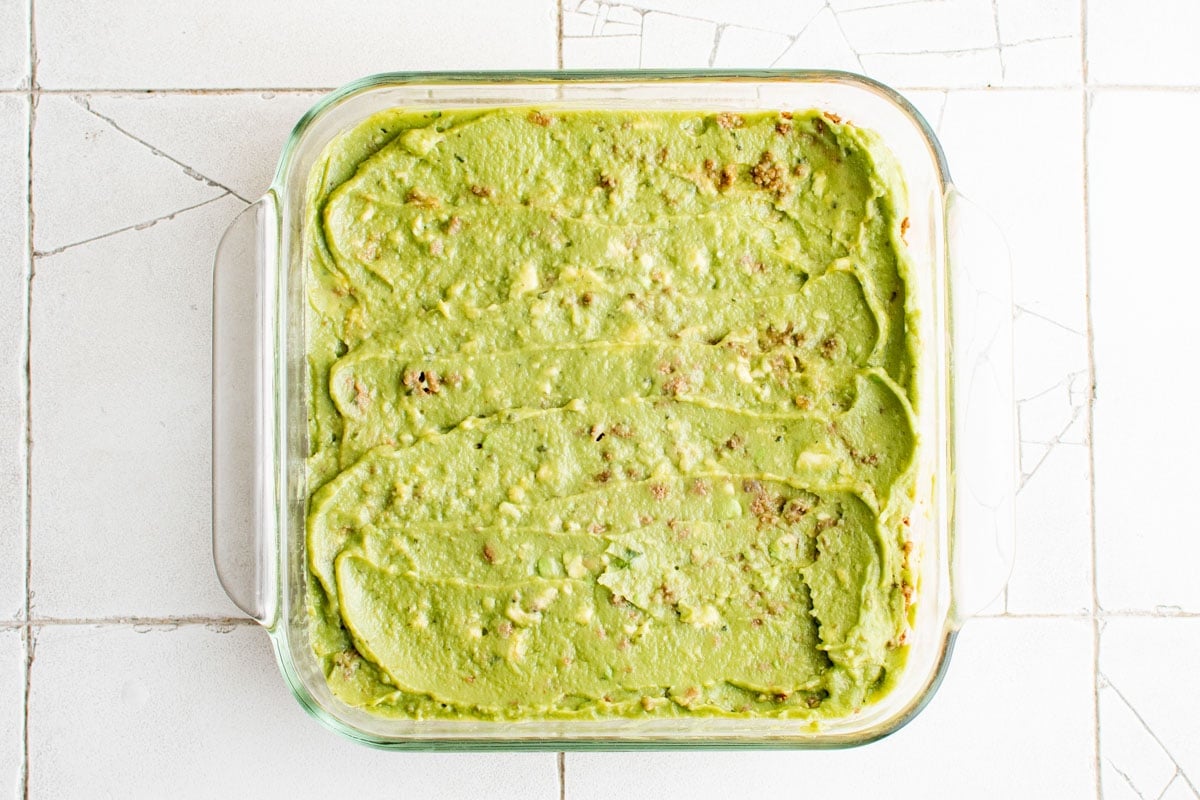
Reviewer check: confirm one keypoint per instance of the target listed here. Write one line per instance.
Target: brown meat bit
(436, 247)
(538, 118)
(730, 121)
(433, 382)
(907, 589)
(819, 126)
(645, 520)
(505, 629)
(676, 385)
(735, 442)
(618, 601)
(700, 488)
(785, 114)
(832, 117)
(419, 198)
(907, 547)
(812, 701)
(481, 191)
(774, 337)
(607, 181)
(769, 175)
(596, 528)
(904, 230)
(829, 347)
(362, 396)
(623, 644)
(621, 431)
(489, 554)
(751, 486)
(710, 166)
(668, 595)
(453, 379)
(795, 510)
(603, 477)
(825, 524)
(727, 177)
(802, 402)
(756, 623)
(454, 225)
(761, 506)
(659, 491)
(469, 678)
(801, 170)
(607, 455)
(587, 298)
(783, 128)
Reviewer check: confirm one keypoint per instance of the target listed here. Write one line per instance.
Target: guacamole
(611, 414)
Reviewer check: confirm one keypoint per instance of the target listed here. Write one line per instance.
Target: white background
(132, 132)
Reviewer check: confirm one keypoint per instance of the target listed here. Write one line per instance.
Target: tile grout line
(134, 622)
(1091, 402)
(27, 631)
(562, 776)
(559, 36)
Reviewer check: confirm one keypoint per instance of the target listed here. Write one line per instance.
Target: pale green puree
(611, 414)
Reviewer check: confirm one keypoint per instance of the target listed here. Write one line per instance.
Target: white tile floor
(152, 124)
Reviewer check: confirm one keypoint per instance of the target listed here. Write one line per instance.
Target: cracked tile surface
(207, 134)
(1150, 743)
(1052, 573)
(132, 189)
(71, 140)
(921, 43)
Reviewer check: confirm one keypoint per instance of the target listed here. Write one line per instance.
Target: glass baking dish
(962, 521)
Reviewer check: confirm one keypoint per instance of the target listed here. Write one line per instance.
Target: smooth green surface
(611, 415)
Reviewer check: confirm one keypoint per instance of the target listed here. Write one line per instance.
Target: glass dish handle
(984, 408)
(243, 486)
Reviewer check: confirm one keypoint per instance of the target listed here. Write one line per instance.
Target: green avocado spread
(611, 413)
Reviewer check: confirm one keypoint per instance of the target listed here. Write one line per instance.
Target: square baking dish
(962, 519)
